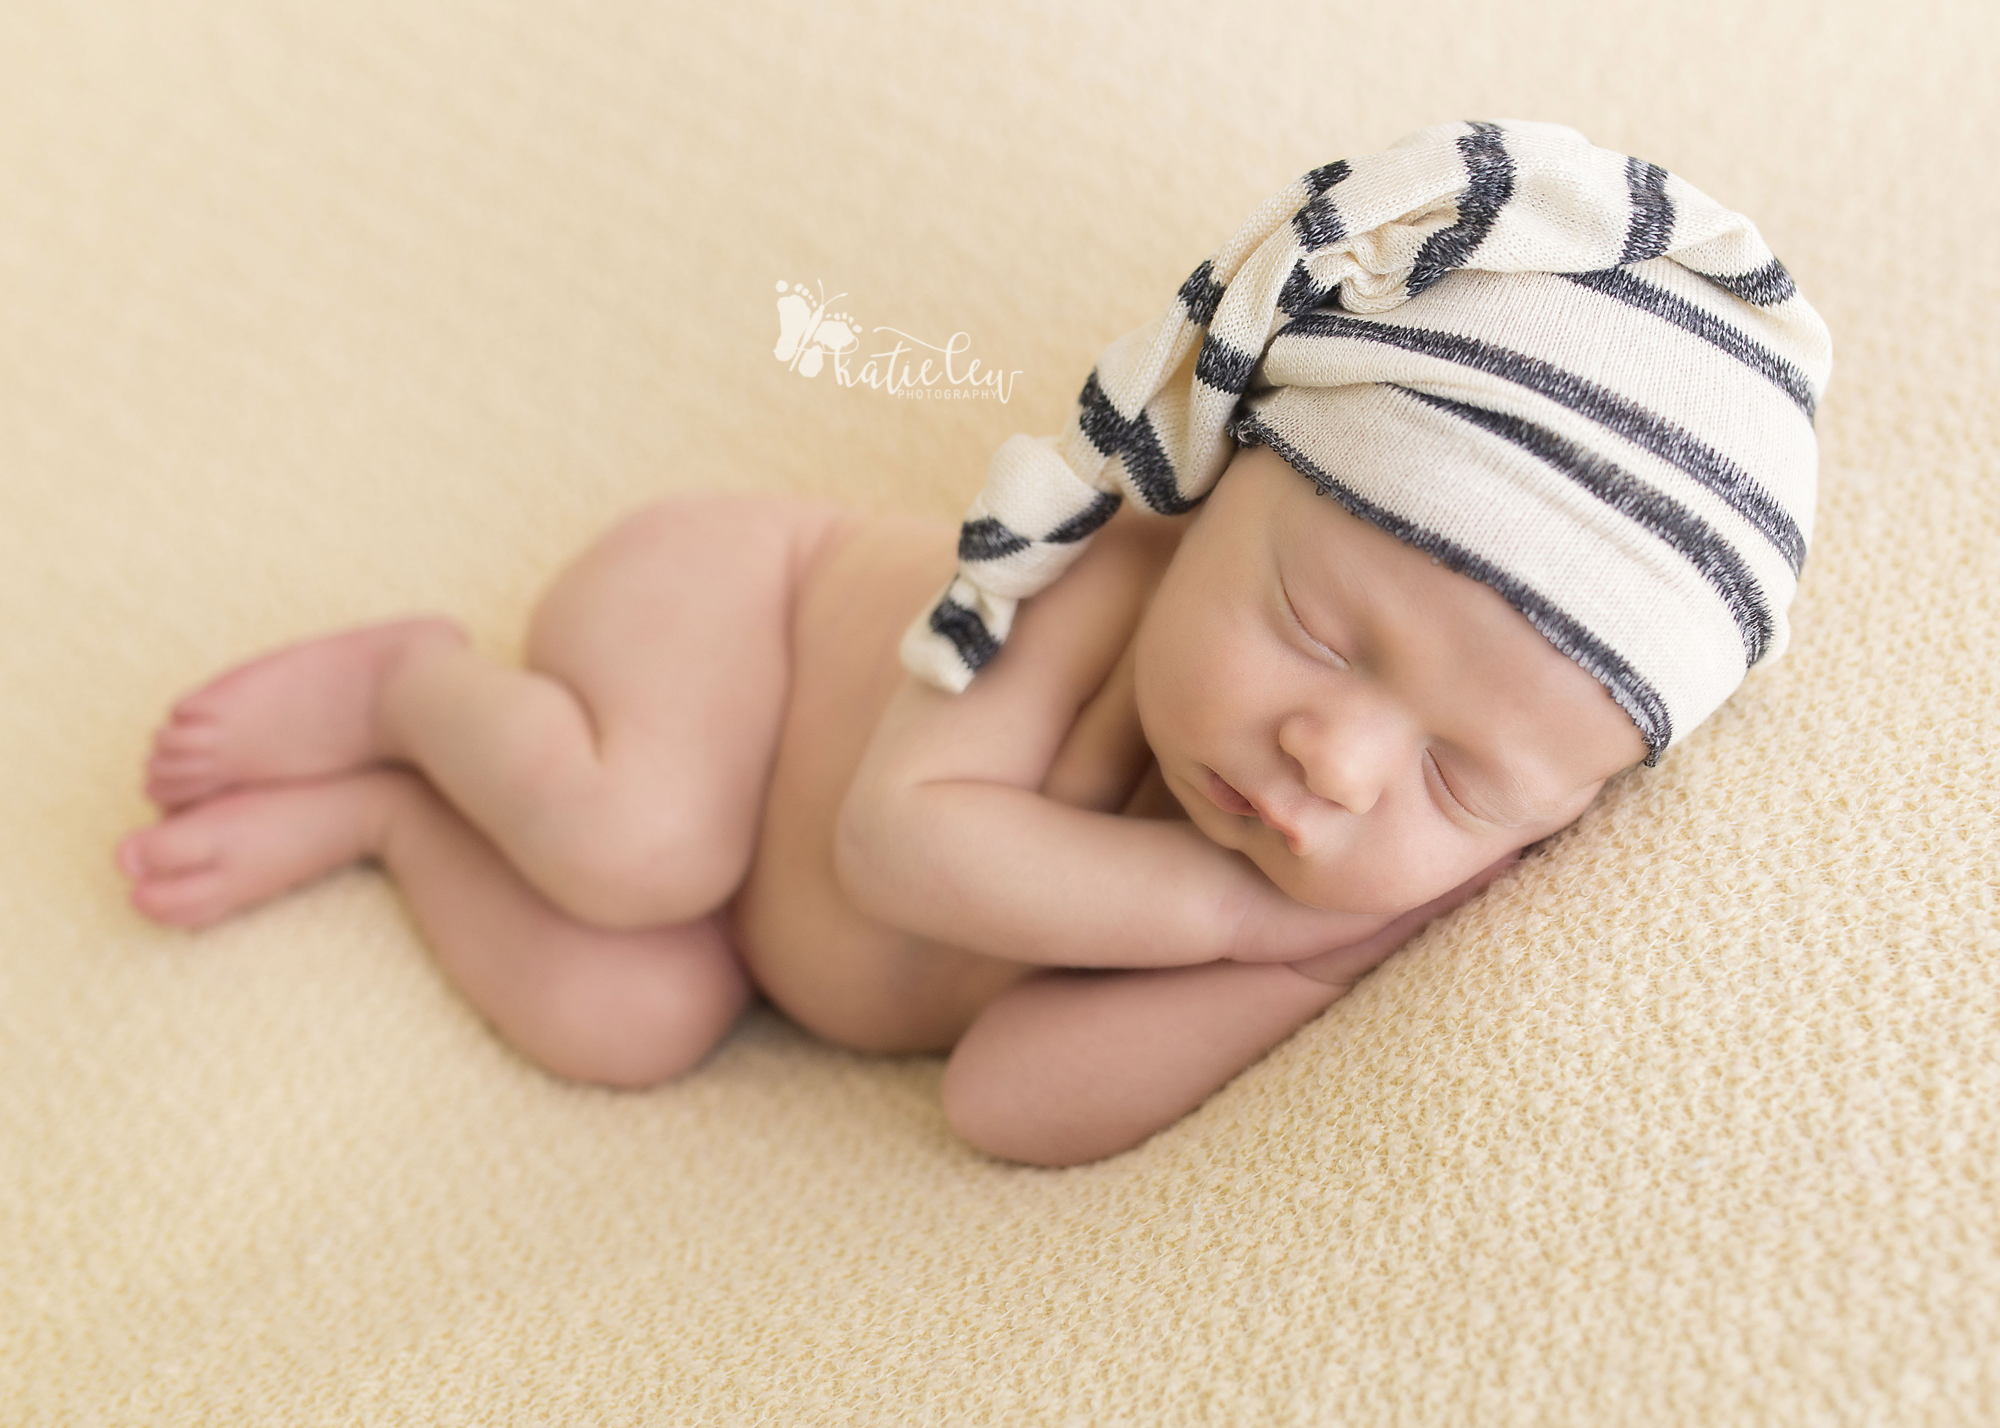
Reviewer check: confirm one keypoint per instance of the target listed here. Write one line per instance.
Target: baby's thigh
(673, 630)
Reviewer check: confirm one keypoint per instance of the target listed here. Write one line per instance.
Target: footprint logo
(806, 335)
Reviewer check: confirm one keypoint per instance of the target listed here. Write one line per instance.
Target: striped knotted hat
(1559, 370)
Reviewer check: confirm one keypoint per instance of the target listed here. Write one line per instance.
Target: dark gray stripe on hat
(1086, 521)
(1635, 695)
(1637, 425)
(966, 631)
(1657, 512)
(1134, 442)
(1619, 284)
(988, 539)
(1302, 292)
(1651, 227)
(991, 539)
(1326, 176)
(1766, 287)
(1489, 175)
(1318, 223)
(1201, 294)
(1224, 367)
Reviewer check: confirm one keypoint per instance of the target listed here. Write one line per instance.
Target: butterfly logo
(807, 336)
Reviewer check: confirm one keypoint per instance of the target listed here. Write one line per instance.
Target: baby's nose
(1348, 759)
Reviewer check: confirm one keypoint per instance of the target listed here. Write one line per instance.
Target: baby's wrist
(1276, 927)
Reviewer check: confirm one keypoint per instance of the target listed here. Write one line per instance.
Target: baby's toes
(170, 849)
(181, 871)
(171, 793)
(171, 763)
(189, 900)
(177, 780)
(188, 736)
(185, 740)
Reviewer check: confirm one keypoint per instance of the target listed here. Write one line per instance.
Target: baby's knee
(620, 1064)
(647, 1026)
(626, 875)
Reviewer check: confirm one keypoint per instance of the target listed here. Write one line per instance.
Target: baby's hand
(1345, 965)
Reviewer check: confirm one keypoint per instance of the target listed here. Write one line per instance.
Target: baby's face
(1370, 729)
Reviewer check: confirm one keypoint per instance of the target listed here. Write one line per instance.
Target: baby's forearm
(1075, 1066)
(1012, 874)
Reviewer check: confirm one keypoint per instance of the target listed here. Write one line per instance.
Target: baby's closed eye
(1299, 627)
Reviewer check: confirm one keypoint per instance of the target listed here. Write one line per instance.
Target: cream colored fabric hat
(1560, 370)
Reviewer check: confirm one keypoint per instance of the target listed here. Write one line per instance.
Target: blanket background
(316, 314)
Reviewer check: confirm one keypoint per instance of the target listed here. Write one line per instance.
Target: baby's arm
(1074, 1066)
(945, 833)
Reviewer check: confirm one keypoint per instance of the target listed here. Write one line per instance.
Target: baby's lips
(1294, 839)
(1230, 799)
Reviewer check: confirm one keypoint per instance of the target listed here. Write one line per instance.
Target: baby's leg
(623, 772)
(627, 1008)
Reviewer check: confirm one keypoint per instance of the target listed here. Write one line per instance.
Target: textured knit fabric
(1562, 371)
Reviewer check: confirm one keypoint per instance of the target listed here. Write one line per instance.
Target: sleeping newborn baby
(1465, 476)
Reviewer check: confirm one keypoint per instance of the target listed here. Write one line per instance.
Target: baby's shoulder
(1060, 665)
(1075, 631)
(1122, 565)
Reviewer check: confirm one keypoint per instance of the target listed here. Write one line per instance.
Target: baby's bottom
(567, 834)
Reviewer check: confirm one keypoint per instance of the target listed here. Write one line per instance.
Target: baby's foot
(238, 849)
(301, 712)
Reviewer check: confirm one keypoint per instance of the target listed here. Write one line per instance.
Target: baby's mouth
(1225, 796)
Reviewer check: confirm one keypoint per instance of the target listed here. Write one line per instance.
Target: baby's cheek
(1183, 688)
(1351, 883)
(1379, 872)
